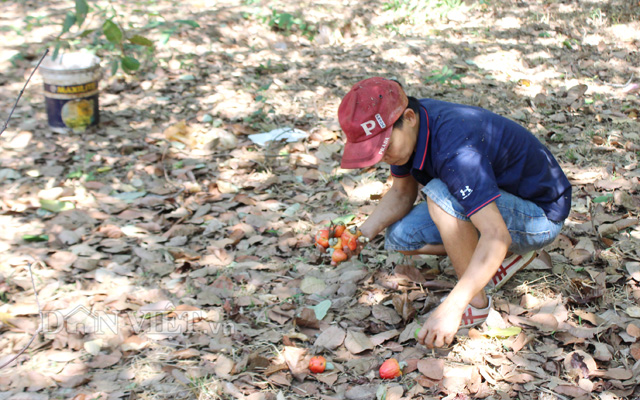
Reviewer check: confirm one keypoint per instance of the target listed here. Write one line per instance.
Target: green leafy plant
(571, 155)
(98, 29)
(393, 5)
(413, 10)
(289, 23)
(445, 76)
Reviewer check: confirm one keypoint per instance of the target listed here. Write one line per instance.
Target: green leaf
(74, 174)
(345, 219)
(35, 238)
(141, 40)
(189, 22)
(87, 32)
(153, 24)
(129, 197)
(114, 66)
(82, 8)
(56, 206)
(602, 199)
(69, 20)
(164, 38)
(130, 64)
(56, 50)
(503, 333)
(321, 309)
(112, 32)
(103, 169)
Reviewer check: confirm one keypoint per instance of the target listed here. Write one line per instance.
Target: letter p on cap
(368, 126)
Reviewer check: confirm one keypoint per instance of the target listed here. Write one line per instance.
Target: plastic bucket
(71, 91)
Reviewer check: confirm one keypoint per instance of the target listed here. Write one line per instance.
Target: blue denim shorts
(527, 223)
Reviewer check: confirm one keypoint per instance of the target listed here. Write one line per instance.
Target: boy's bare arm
(492, 246)
(395, 204)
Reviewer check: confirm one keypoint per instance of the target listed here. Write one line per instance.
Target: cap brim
(366, 153)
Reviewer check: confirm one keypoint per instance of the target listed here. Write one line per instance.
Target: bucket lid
(71, 62)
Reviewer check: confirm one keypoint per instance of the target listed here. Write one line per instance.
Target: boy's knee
(398, 236)
(393, 234)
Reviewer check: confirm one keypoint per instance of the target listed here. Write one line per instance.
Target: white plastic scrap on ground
(288, 134)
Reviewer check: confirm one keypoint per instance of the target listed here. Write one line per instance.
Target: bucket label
(72, 89)
(75, 114)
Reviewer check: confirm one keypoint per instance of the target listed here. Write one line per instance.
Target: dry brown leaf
(102, 361)
(62, 260)
(361, 392)
(328, 379)
(394, 392)
(616, 373)
(570, 390)
(295, 359)
(633, 268)
(223, 366)
(586, 385)
(280, 379)
(307, 319)
(404, 306)
(635, 351)
(331, 338)
(63, 356)
(457, 379)
(306, 389)
(37, 381)
(279, 315)
(432, 368)
(111, 231)
(134, 342)
(72, 375)
(519, 342)
(602, 352)
(274, 368)
(357, 342)
(412, 365)
(426, 382)
(385, 314)
(382, 337)
(409, 274)
(633, 330)
(180, 132)
(580, 363)
(519, 378)
(475, 334)
(543, 322)
(185, 354)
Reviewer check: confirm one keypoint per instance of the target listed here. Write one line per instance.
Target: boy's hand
(442, 325)
(354, 242)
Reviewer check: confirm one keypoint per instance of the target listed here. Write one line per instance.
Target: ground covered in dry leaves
(172, 255)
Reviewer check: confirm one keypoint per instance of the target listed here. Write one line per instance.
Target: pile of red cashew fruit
(339, 242)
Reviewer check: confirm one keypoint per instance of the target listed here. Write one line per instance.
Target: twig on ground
(21, 92)
(164, 167)
(561, 397)
(40, 327)
(621, 86)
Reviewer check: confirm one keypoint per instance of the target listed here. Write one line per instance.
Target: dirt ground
(172, 254)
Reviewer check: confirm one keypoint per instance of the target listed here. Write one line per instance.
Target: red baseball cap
(366, 115)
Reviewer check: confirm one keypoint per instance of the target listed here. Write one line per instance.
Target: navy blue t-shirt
(476, 152)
